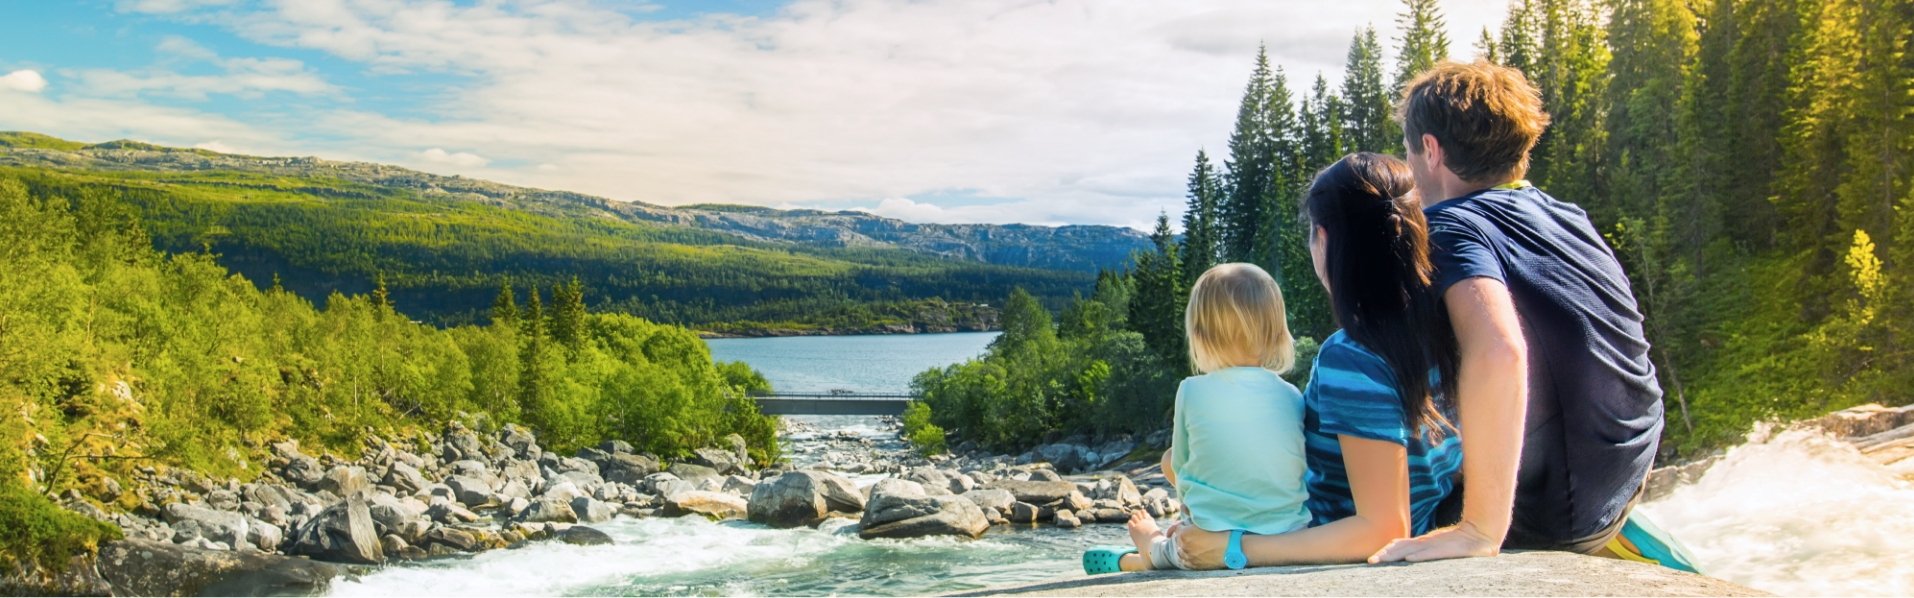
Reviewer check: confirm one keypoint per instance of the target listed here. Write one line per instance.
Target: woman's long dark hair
(1376, 261)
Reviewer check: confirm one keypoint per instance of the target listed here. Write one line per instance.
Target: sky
(1043, 112)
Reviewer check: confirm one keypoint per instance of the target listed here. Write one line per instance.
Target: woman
(1383, 457)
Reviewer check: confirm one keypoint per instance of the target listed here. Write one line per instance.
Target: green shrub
(929, 440)
(35, 533)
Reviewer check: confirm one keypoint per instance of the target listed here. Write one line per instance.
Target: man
(1559, 409)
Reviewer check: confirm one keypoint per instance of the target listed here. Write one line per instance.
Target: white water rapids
(1793, 513)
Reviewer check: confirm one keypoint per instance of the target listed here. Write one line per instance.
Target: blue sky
(1061, 111)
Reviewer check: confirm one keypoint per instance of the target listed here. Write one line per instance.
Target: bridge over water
(833, 403)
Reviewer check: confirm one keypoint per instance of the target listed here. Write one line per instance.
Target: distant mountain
(1087, 248)
(445, 243)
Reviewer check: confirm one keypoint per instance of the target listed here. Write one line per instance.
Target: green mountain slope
(445, 244)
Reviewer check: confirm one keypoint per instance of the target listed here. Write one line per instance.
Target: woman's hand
(1198, 549)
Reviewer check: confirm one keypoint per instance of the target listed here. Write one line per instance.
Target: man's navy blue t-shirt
(1594, 408)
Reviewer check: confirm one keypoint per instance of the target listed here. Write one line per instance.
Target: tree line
(114, 356)
(1748, 160)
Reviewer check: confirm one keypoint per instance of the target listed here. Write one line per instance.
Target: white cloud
(168, 6)
(464, 159)
(28, 81)
(1088, 110)
(243, 77)
(185, 48)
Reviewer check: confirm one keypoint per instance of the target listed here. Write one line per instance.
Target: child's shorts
(1163, 554)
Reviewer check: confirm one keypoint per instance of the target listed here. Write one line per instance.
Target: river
(1791, 513)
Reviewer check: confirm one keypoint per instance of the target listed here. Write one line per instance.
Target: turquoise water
(882, 363)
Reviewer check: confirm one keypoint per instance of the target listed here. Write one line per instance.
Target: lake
(861, 363)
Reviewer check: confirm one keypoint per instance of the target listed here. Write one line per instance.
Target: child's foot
(1144, 532)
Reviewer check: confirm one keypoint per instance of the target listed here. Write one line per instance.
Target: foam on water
(1798, 513)
(691, 556)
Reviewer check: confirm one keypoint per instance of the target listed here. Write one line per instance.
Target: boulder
(592, 510)
(1074, 501)
(549, 509)
(1037, 492)
(1023, 512)
(615, 446)
(219, 526)
(711, 505)
(520, 441)
(142, 568)
(1066, 519)
(344, 480)
(694, 473)
(471, 491)
(445, 510)
(400, 517)
(992, 498)
(404, 478)
(739, 485)
(343, 532)
(451, 537)
(1125, 493)
(583, 536)
(802, 498)
(627, 468)
(901, 509)
(718, 459)
(933, 481)
(1045, 475)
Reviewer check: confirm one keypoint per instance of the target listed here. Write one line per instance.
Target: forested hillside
(444, 244)
(1750, 161)
(114, 356)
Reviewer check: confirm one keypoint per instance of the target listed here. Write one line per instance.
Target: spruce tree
(1250, 176)
(568, 314)
(505, 306)
(1424, 42)
(1200, 243)
(381, 298)
(1322, 129)
(1156, 307)
(1367, 117)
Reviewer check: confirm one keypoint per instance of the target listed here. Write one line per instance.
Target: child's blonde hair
(1236, 312)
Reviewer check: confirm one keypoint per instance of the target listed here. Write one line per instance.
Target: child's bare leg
(1143, 532)
(1169, 475)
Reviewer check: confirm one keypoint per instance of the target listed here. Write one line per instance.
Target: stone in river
(549, 509)
(802, 498)
(710, 504)
(1067, 519)
(1037, 492)
(900, 509)
(993, 498)
(343, 532)
(583, 536)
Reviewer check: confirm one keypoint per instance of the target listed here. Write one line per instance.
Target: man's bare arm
(1493, 405)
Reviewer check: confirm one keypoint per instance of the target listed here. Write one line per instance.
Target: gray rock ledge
(1513, 574)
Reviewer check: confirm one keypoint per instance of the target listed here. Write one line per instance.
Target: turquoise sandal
(1099, 560)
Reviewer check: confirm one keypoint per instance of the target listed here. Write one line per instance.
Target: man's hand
(1460, 541)
(1198, 549)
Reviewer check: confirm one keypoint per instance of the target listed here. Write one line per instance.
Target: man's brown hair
(1486, 116)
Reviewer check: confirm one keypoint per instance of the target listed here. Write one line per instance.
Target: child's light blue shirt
(1237, 451)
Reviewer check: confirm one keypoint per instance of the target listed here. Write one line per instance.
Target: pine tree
(1156, 307)
(1653, 43)
(1367, 121)
(532, 321)
(1822, 85)
(381, 298)
(1250, 175)
(1485, 47)
(1425, 40)
(568, 314)
(1322, 129)
(1759, 75)
(1277, 230)
(1518, 42)
(1200, 224)
(505, 306)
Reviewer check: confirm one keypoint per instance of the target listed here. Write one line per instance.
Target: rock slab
(1512, 574)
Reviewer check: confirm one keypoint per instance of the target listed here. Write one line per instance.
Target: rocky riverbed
(311, 518)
